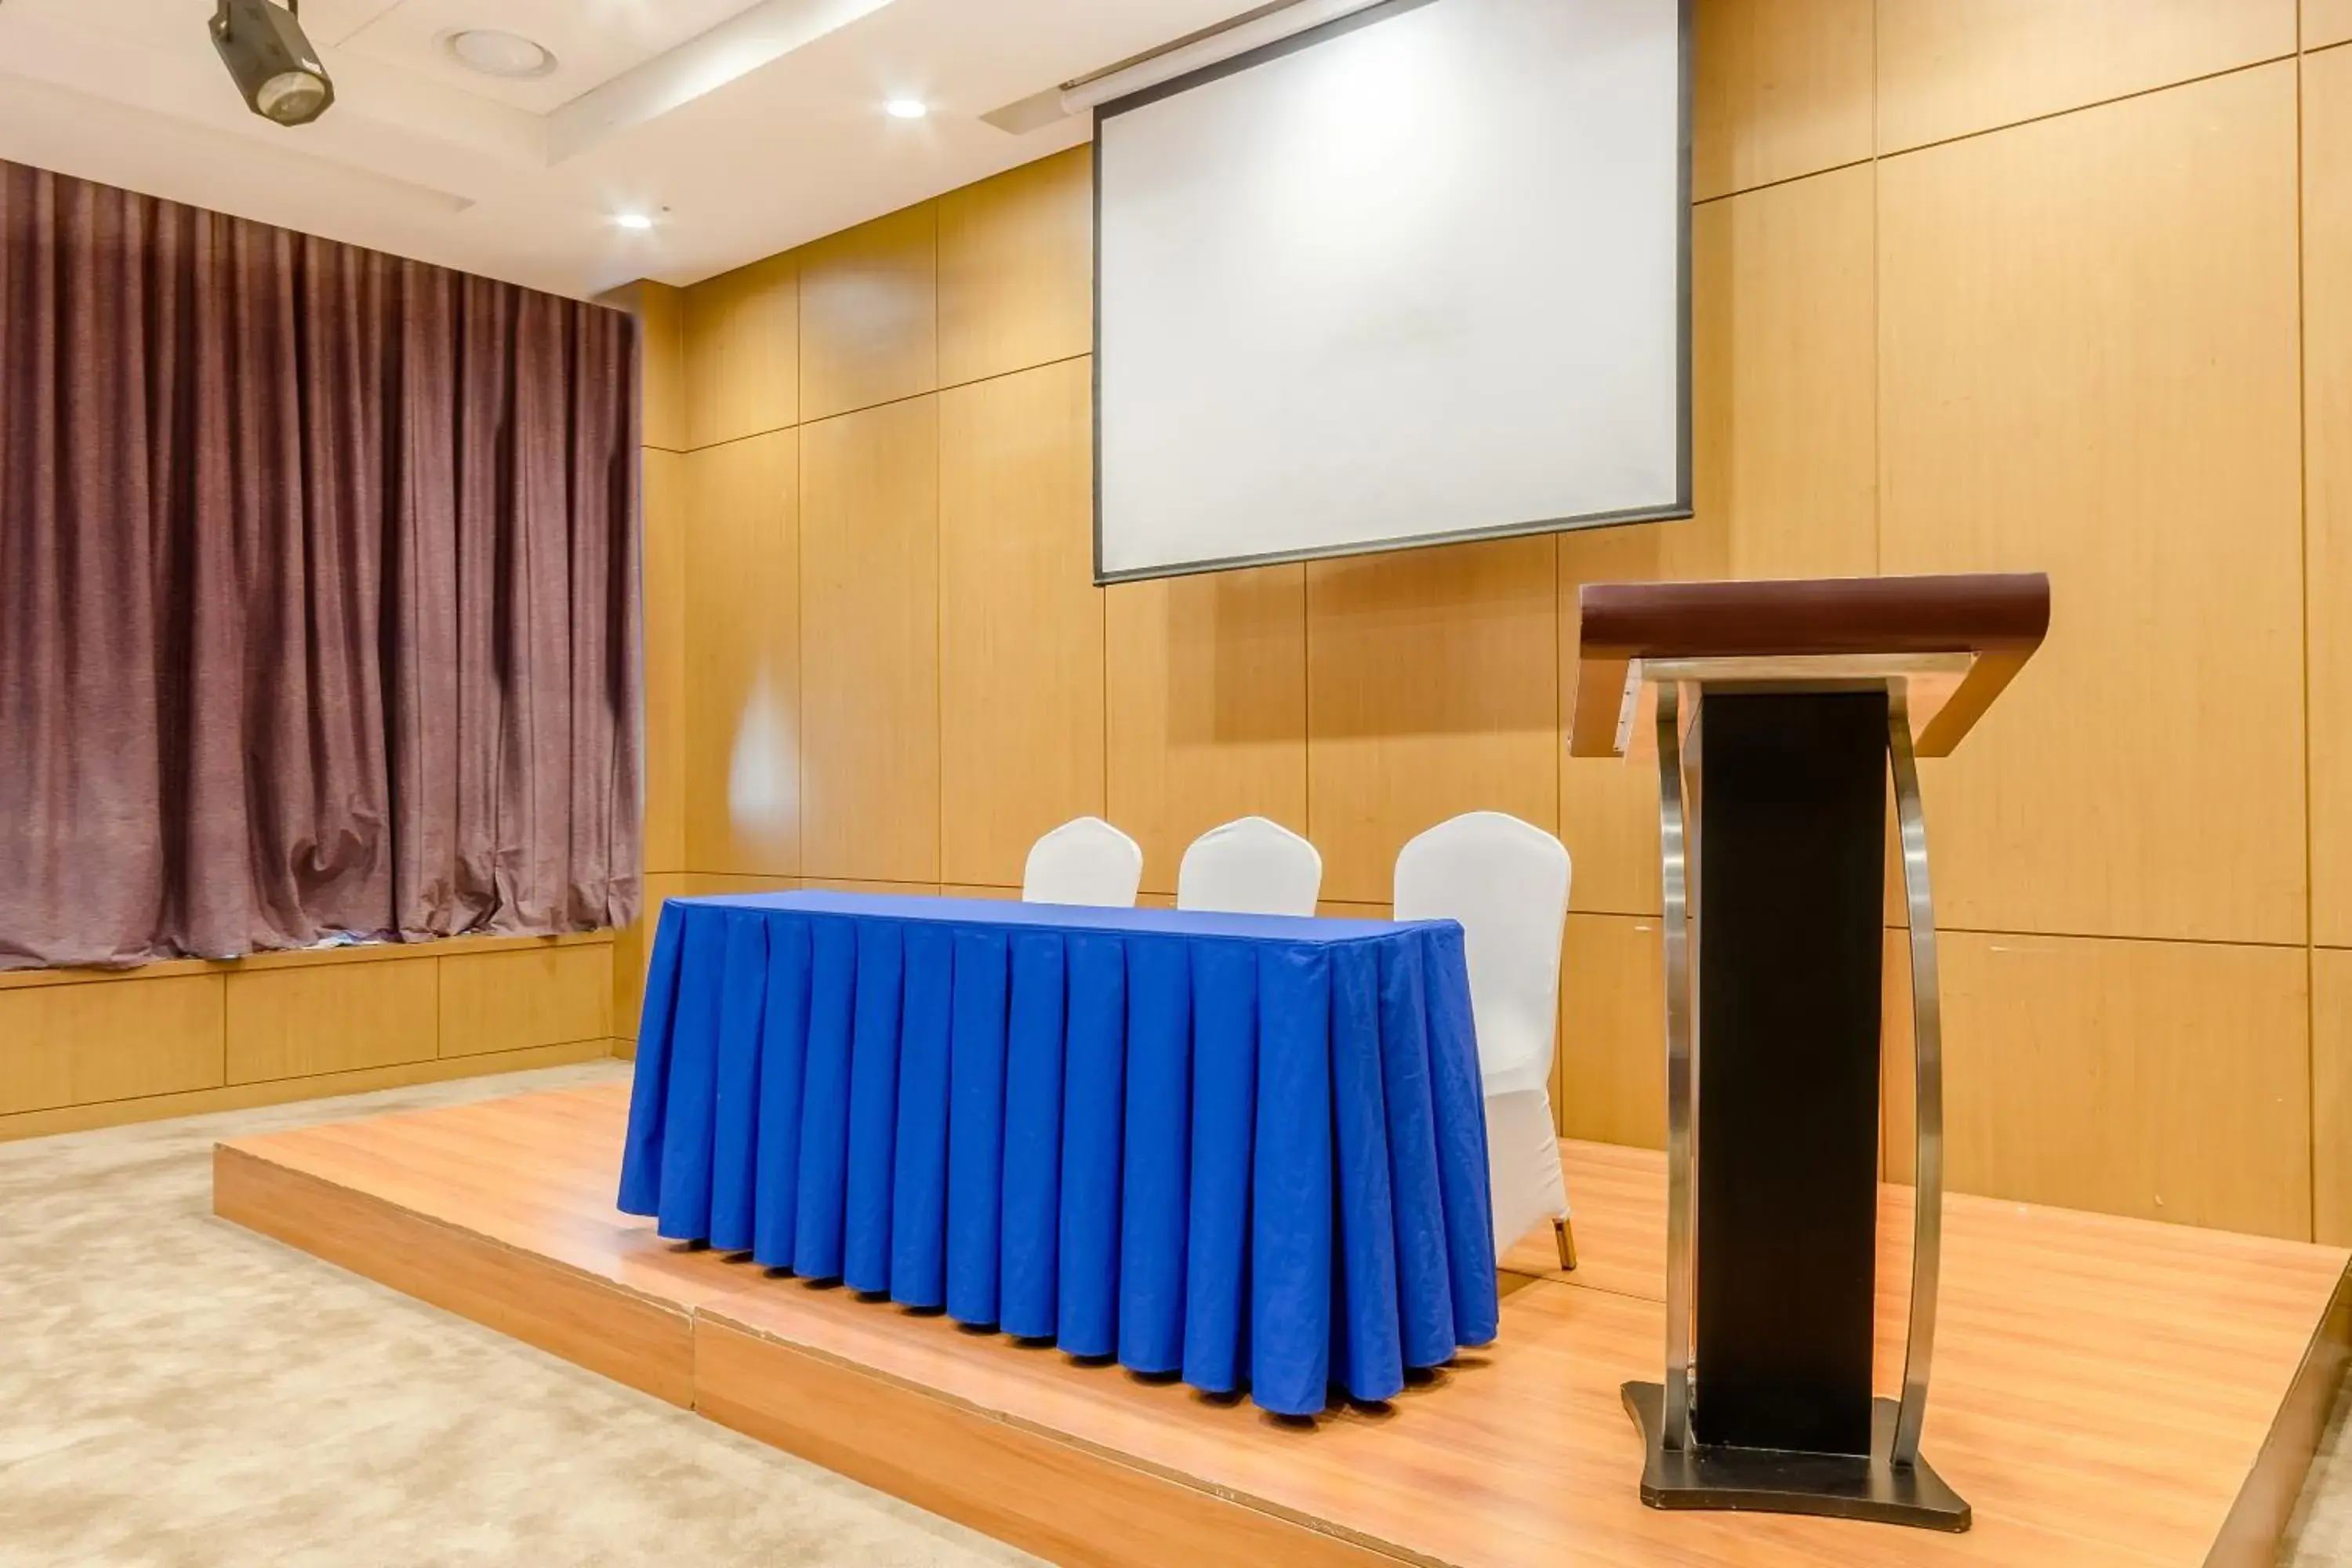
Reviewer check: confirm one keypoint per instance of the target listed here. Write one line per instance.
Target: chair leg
(1563, 1232)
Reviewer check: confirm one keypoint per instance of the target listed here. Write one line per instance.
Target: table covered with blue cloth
(1250, 1151)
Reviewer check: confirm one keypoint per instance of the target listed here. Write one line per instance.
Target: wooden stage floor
(2107, 1391)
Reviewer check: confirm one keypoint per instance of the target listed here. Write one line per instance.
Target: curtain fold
(318, 603)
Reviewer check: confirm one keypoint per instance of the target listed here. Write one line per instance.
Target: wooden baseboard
(281, 1091)
(631, 1338)
(2258, 1520)
(1065, 1501)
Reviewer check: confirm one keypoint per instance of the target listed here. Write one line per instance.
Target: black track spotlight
(274, 65)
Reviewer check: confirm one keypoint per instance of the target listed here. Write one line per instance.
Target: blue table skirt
(1247, 1150)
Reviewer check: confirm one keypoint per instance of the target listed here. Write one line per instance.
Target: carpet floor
(178, 1391)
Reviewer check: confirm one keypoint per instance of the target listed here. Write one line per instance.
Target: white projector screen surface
(1419, 275)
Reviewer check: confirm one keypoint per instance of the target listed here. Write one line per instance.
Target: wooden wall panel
(1207, 706)
(1433, 681)
(1951, 67)
(82, 1048)
(742, 657)
(547, 995)
(1780, 88)
(662, 505)
(1609, 805)
(1021, 622)
(293, 1023)
(2088, 365)
(633, 950)
(742, 341)
(870, 644)
(869, 313)
(1016, 268)
(1613, 1032)
(2326, 22)
(1784, 467)
(661, 314)
(704, 884)
(2327, 458)
(2169, 1080)
(109, 1040)
(1784, 314)
(660, 310)
(2331, 1095)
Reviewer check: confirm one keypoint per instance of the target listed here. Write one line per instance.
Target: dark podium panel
(1781, 709)
(1788, 1084)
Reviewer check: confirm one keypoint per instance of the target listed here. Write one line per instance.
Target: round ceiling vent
(494, 53)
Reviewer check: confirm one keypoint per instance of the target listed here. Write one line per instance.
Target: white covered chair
(1083, 861)
(1252, 867)
(1507, 881)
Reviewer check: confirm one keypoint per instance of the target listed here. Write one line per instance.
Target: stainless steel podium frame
(1680, 870)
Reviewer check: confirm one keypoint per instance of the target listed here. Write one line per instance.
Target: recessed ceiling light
(494, 53)
(906, 109)
(633, 220)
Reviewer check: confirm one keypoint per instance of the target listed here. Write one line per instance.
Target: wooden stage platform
(2107, 1391)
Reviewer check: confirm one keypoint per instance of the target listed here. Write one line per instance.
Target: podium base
(1771, 1480)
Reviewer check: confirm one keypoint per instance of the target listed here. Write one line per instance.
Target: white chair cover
(1507, 881)
(1252, 867)
(1083, 861)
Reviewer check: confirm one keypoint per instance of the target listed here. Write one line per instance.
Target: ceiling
(744, 127)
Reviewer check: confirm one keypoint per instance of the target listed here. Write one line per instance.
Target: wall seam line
(2303, 541)
(2239, 69)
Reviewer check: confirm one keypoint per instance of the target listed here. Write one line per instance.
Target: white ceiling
(746, 126)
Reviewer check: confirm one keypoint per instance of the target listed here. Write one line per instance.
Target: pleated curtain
(318, 591)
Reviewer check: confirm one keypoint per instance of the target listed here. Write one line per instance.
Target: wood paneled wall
(90, 1048)
(1978, 284)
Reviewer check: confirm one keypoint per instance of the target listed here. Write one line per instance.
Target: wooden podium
(1778, 709)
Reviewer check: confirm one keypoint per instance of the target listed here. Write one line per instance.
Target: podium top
(1980, 627)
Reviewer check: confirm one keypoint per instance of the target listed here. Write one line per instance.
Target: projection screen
(1419, 275)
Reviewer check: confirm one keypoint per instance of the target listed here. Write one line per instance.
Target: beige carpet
(2321, 1531)
(178, 1391)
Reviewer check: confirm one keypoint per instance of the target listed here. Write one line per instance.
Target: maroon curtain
(317, 589)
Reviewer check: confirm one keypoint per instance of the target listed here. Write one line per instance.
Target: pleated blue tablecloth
(1248, 1150)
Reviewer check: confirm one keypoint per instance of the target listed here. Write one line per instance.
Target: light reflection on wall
(762, 776)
